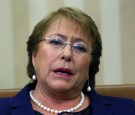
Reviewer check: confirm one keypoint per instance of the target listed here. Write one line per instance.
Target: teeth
(62, 73)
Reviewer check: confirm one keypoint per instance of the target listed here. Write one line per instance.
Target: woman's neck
(58, 101)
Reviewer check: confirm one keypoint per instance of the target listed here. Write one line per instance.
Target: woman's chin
(61, 87)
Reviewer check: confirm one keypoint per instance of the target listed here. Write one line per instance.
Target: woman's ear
(33, 58)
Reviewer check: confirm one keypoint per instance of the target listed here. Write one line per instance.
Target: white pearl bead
(68, 110)
(60, 111)
(45, 108)
(42, 106)
(48, 109)
(52, 111)
(56, 111)
(39, 104)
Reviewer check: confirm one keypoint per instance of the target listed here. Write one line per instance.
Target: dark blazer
(101, 105)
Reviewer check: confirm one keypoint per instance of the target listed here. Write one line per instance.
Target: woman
(64, 54)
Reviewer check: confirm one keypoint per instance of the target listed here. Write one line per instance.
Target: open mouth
(63, 71)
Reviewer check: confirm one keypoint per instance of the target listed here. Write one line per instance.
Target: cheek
(82, 65)
(41, 58)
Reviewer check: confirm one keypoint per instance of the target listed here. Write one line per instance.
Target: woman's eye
(55, 42)
(80, 48)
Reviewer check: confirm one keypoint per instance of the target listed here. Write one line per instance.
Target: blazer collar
(101, 105)
(21, 102)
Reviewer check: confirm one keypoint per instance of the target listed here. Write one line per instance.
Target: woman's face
(62, 69)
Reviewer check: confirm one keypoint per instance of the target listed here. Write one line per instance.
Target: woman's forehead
(67, 27)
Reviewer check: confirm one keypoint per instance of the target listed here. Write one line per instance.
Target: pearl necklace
(57, 111)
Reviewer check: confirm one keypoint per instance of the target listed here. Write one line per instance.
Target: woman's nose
(67, 52)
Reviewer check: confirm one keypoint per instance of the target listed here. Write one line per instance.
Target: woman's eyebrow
(60, 35)
(66, 37)
(77, 39)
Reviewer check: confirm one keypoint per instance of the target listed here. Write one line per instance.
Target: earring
(34, 77)
(88, 88)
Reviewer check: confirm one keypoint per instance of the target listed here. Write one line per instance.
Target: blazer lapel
(20, 104)
(101, 105)
(23, 109)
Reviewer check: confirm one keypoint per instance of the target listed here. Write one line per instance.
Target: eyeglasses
(58, 42)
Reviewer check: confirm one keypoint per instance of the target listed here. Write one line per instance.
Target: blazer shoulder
(122, 104)
(4, 106)
(4, 101)
(118, 100)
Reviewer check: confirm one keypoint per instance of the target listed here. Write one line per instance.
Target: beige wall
(115, 19)
(127, 27)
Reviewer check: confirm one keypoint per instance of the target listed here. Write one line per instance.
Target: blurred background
(114, 18)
